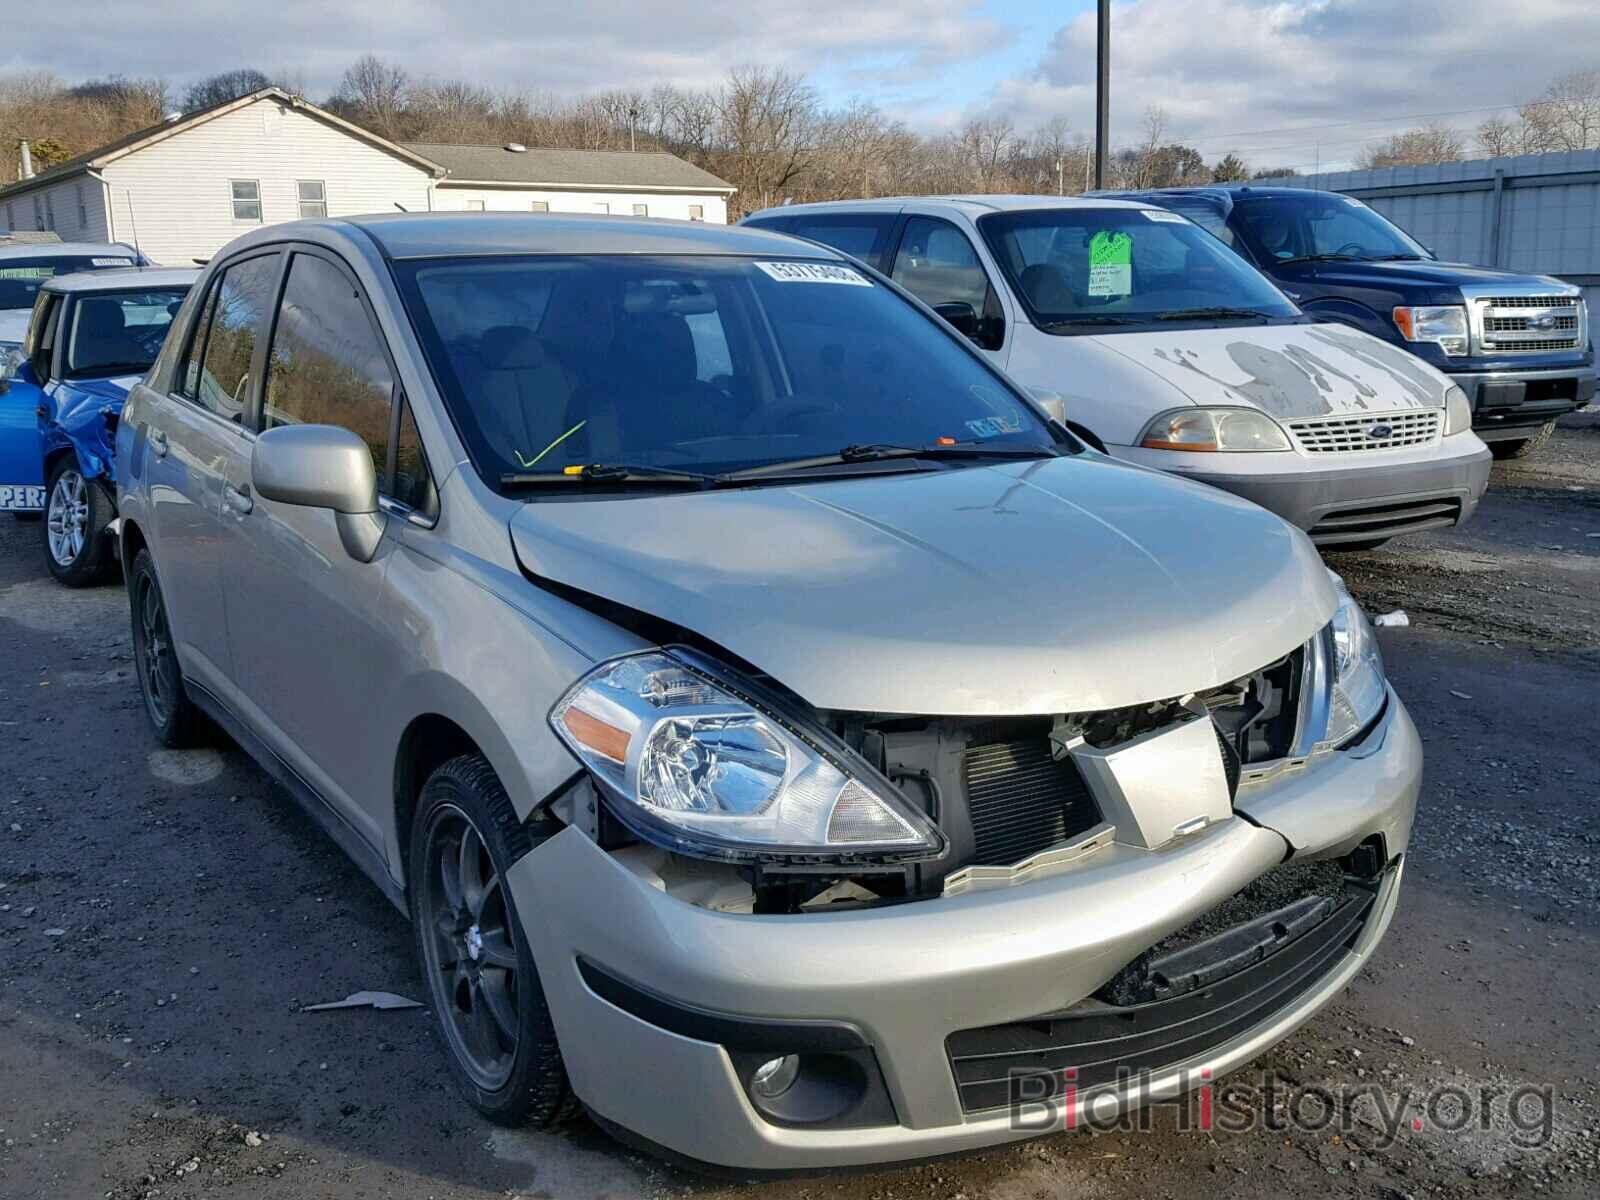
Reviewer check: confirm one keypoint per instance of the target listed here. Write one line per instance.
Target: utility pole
(1102, 112)
(633, 121)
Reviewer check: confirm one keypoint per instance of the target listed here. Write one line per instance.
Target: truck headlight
(1457, 411)
(693, 758)
(1208, 430)
(1443, 324)
(1359, 686)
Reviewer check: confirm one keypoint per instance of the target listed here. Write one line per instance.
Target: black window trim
(397, 396)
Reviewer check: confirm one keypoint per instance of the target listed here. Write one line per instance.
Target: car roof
(972, 205)
(429, 235)
(122, 279)
(66, 250)
(1229, 189)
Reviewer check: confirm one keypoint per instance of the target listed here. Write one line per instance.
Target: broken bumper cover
(1347, 501)
(902, 979)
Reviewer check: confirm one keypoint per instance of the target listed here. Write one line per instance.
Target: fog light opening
(775, 1076)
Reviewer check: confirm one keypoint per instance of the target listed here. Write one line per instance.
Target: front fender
(1352, 313)
(84, 423)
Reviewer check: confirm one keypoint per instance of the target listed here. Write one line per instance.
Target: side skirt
(360, 851)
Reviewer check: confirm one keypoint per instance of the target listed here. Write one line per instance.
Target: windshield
(1078, 268)
(702, 364)
(21, 278)
(120, 333)
(1314, 225)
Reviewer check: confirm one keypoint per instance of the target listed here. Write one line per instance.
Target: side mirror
(322, 466)
(961, 315)
(1053, 403)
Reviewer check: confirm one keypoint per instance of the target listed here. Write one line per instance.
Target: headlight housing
(1208, 430)
(1359, 686)
(1457, 411)
(1443, 324)
(694, 759)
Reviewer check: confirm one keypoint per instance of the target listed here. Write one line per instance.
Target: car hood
(1049, 586)
(13, 325)
(1288, 371)
(1426, 273)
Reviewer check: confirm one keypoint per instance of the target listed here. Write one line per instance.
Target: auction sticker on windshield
(811, 272)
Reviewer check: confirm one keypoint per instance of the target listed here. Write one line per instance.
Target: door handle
(158, 443)
(238, 498)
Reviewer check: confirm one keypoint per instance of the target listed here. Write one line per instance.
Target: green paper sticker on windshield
(1110, 264)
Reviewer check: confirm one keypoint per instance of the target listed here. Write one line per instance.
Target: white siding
(180, 187)
(58, 209)
(448, 198)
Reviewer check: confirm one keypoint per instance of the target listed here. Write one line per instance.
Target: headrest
(101, 317)
(660, 346)
(511, 348)
(1044, 285)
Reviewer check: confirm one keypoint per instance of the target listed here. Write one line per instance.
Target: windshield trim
(403, 273)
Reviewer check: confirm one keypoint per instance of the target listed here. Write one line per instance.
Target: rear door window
(232, 323)
(860, 235)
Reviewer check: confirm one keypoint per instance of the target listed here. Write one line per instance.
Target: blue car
(90, 338)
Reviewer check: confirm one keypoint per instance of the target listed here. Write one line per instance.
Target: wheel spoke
(497, 949)
(450, 876)
(480, 1030)
(494, 990)
(446, 942)
(471, 869)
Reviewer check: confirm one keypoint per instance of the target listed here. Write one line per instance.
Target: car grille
(1369, 431)
(1022, 800)
(1385, 520)
(1209, 1000)
(1529, 324)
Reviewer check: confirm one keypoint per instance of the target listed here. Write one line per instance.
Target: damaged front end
(82, 417)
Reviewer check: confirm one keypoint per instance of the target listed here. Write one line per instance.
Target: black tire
(77, 546)
(1355, 547)
(480, 973)
(1523, 447)
(178, 724)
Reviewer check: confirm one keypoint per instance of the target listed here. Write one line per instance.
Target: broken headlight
(1359, 686)
(692, 761)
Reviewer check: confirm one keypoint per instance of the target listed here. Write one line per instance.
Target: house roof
(538, 166)
(140, 138)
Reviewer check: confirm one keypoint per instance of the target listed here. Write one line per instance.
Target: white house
(185, 188)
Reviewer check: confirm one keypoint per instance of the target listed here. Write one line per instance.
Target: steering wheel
(784, 416)
(1353, 249)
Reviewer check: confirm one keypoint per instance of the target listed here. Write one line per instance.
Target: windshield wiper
(1394, 258)
(882, 451)
(1091, 319)
(1322, 258)
(609, 473)
(1213, 314)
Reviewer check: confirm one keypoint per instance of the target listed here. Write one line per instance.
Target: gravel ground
(164, 918)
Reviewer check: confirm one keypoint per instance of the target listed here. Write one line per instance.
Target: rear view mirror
(322, 466)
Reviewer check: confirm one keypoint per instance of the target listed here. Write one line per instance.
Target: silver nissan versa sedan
(789, 742)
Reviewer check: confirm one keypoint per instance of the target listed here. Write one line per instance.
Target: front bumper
(908, 976)
(1510, 404)
(1360, 499)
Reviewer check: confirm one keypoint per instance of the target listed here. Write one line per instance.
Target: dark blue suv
(1518, 345)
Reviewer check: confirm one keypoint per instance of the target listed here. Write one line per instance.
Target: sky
(1299, 83)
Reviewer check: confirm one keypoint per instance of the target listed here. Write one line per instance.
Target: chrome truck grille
(1537, 323)
(1367, 432)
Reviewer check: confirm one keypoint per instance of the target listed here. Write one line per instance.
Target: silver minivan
(788, 742)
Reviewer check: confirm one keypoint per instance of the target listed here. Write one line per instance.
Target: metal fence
(1538, 213)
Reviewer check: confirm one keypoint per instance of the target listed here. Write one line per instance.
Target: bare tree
(768, 122)
(1432, 143)
(374, 92)
(224, 86)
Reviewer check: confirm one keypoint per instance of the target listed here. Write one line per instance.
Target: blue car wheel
(77, 544)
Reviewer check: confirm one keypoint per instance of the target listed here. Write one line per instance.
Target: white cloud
(534, 45)
(1225, 67)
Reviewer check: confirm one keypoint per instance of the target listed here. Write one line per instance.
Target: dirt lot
(164, 917)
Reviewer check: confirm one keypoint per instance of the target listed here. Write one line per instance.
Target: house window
(641, 210)
(474, 205)
(697, 212)
(600, 206)
(313, 198)
(246, 200)
(83, 209)
(539, 205)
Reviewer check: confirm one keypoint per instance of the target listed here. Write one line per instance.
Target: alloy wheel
(158, 666)
(67, 518)
(471, 955)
